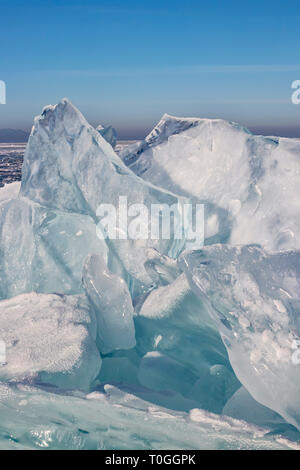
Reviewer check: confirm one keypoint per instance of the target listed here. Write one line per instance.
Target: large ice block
(17, 247)
(43, 250)
(68, 166)
(112, 303)
(250, 184)
(180, 342)
(49, 338)
(254, 298)
(242, 406)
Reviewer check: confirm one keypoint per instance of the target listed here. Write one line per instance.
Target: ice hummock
(156, 322)
(69, 167)
(250, 183)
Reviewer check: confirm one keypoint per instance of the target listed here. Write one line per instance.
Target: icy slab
(61, 145)
(43, 250)
(250, 183)
(69, 166)
(242, 406)
(177, 348)
(63, 241)
(162, 301)
(120, 367)
(36, 419)
(214, 388)
(166, 127)
(17, 247)
(109, 134)
(162, 269)
(254, 298)
(112, 303)
(180, 344)
(49, 338)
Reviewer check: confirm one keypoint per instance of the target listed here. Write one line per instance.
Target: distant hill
(13, 135)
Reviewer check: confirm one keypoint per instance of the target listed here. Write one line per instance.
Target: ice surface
(254, 297)
(160, 372)
(162, 301)
(250, 183)
(64, 160)
(162, 269)
(36, 419)
(216, 385)
(242, 406)
(43, 250)
(63, 241)
(9, 191)
(68, 166)
(49, 338)
(112, 304)
(181, 347)
(167, 126)
(121, 367)
(109, 134)
(17, 247)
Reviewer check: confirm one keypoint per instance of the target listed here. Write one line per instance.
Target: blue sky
(127, 62)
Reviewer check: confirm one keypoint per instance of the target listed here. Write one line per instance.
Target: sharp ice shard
(68, 166)
(112, 303)
(109, 134)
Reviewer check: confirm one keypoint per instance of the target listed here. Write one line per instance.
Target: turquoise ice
(105, 336)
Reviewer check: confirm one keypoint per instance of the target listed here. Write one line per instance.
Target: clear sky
(126, 62)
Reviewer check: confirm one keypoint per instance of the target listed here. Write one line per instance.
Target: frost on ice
(49, 338)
